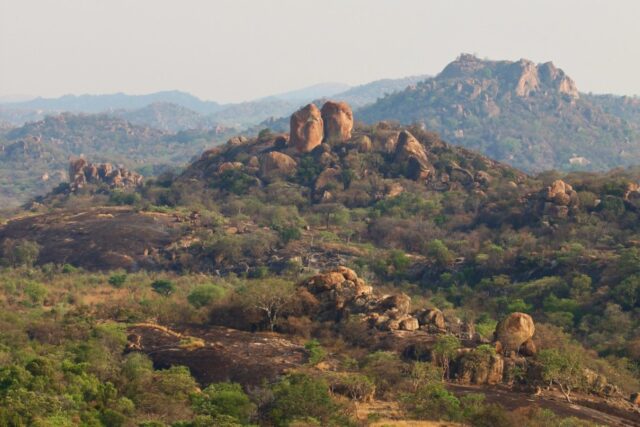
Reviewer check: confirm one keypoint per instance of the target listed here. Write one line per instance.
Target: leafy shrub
(117, 280)
(316, 352)
(224, 399)
(203, 295)
(163, 287)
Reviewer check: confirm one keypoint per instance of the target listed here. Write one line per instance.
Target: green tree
(226, 399)
(562, 368)
(300, 396)
(203, 295)
(268, 296)
(438, 251)
(20, 252)
(163, 287)
(445, 349)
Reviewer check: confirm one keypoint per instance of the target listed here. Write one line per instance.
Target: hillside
(530, 116)
(34, 157)
(366, 266)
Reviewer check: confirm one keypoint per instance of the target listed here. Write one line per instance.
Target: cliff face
(522, 78)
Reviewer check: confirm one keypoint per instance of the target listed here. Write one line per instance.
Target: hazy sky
(234, 50)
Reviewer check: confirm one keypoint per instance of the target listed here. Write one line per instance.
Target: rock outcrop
(477, 366)
(338, 121)
(275, 164)
(514, 332)
(556, 201)
(217, 354)
(411, 155)
(307, 129)
(82, 172)
(340, 293)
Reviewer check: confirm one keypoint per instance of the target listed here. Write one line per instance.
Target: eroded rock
(307, 129)
(514, 331)
(338, 121)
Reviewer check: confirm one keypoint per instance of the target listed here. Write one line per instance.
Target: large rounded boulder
(514, 331)
(276, 164)
(338, 121)
(307, 129)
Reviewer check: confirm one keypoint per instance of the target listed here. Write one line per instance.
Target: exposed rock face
(218, 354)
(276, 164)
(514, 331)
(557, 79)
(410, 153)
(476, 367)
(338, 121)
(307, 129)
(82, 172)
(526, 75)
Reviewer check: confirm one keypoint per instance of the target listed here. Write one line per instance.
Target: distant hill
(310, 92)
(166, 117)
(116, 101)
(175, 111)
(34, 158)
(531, 116)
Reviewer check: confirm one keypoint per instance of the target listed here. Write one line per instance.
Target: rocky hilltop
(523, 113)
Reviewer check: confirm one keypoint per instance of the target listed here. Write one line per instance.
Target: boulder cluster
(311, 126)
(556, 201)
(82, 172)
(340, 293)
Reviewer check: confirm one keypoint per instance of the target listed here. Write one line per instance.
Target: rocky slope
(531, 116)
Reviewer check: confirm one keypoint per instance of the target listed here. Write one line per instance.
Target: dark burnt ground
(96, 239)
(218, 354)
(589, 408)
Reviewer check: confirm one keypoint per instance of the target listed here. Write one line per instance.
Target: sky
(237, 50)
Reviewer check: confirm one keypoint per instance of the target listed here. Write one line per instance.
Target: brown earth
(587, 407)
(218, 354)
(98, 239)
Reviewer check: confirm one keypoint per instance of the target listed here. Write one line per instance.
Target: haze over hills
(531, 116)
(240, 115)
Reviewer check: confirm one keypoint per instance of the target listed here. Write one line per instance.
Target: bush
(204, 295)
(316, 352)
(117, 280)
(299, 396)
(163, 287)
(432, 402)
(224, 399)
(20, 252)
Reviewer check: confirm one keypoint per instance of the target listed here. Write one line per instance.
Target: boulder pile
(340, 293)
(82, 172)
(556, 201)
